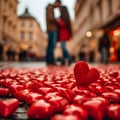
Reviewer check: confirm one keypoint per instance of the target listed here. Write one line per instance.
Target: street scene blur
(59, 59)
(95, 33)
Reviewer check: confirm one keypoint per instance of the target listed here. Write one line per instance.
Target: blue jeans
(52, 39)
(66, 54)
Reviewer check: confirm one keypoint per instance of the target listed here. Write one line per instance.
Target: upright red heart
(85, 75)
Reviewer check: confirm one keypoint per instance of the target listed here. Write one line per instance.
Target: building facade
(8, 24)
(93, 17)
(30, 35)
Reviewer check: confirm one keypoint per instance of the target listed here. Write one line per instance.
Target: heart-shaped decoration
(85, 75)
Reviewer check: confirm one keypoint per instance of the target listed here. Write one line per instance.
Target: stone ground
(21, 64)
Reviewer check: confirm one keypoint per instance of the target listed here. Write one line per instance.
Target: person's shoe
(51, 64)
(63, 63)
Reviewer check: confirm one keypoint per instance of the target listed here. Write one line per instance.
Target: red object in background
(113, 56)
(40, 110)
(112, 32)
(84, 75)
(8, 106)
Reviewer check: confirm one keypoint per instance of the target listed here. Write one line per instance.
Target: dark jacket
(50, 19)
(104, 42)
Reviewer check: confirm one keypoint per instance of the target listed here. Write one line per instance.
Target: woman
(64, 33)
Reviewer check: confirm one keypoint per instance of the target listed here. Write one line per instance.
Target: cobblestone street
(22, 64)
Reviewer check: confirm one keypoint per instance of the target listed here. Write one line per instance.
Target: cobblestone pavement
(21, 64)
(37, 64)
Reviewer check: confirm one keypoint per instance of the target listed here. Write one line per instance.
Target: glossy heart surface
(85, 75)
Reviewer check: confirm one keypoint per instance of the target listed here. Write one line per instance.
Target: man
(52, 30)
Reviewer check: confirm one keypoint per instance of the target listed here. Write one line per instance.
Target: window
(22, 35)
(31, 24)
(22, 23)
(30, 35)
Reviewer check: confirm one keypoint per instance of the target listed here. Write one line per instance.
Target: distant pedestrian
(10, 54)
(23, 54)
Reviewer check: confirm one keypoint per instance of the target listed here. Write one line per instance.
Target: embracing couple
(58, 29)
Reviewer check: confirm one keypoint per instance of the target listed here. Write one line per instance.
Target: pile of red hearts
(80, 92)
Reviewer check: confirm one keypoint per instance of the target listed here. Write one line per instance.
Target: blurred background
(23, 35)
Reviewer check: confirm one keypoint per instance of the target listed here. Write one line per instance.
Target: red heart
(85, 75)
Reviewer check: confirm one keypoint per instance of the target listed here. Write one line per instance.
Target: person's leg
(52, 38)
(48, 48)
(66, 54)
